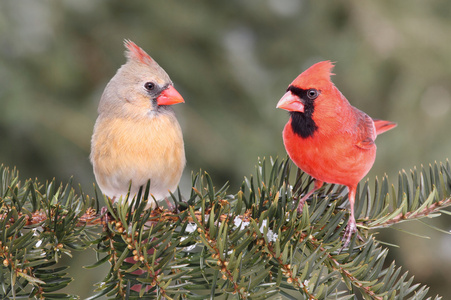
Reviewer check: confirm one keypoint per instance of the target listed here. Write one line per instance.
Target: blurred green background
(231, 61)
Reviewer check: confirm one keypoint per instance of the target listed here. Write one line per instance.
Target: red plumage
(326, 137)
(135, 52)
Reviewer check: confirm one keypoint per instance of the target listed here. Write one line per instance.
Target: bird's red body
(326, 137)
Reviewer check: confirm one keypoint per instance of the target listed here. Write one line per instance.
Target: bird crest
(318, 74)
(134, 52)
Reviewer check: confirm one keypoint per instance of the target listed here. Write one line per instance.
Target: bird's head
(310, 97)
(140, 86)
(309, 87)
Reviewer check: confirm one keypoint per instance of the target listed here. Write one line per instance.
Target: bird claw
(104, 215)
(301, 205)
(299, 209)
(351, 228)
(171, 207)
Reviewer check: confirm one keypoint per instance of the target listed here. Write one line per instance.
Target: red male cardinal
(326, 137)
(136, 136)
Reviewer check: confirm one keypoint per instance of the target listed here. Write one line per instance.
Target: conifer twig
(435, 207)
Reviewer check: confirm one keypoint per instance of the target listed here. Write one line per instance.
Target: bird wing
(365, 129)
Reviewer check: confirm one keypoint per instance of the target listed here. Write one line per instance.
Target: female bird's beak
(169, 96)
(290, 102)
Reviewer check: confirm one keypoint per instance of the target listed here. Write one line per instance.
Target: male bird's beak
(169, 96)
(290, 102)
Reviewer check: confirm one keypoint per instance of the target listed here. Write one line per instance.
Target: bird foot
(301, 205)
(104, 215)
(171, 207)
(351, 228)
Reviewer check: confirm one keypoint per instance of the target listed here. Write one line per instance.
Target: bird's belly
(331, 161)
(135, 155)
(163, 167)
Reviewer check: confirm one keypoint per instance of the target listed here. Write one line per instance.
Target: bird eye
(149, 86)
(312, 93)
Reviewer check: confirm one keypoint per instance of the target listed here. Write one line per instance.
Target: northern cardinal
(136, 136)
(328, 138)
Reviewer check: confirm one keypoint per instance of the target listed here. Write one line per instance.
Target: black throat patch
(302, 122)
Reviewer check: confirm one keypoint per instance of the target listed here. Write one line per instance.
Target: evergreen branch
(249, 245)
(415, 215)
(36, 229)
(90, 217)
(426, 194)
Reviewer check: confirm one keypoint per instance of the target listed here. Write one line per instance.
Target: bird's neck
(303, 124)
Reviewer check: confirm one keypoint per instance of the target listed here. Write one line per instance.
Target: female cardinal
(136, 136)
(326, 137)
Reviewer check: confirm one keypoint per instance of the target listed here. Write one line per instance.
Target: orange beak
(290, 102)
(169, 96)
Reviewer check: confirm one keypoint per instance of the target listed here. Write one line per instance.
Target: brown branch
(354, 280)
(337, 266)
(92, 218)
(88, 218)
(435, 207)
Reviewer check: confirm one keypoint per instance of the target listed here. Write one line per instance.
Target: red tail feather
(383, 126)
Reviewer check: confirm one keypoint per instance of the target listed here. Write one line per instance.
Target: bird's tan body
(136, 136)
(136, 151)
